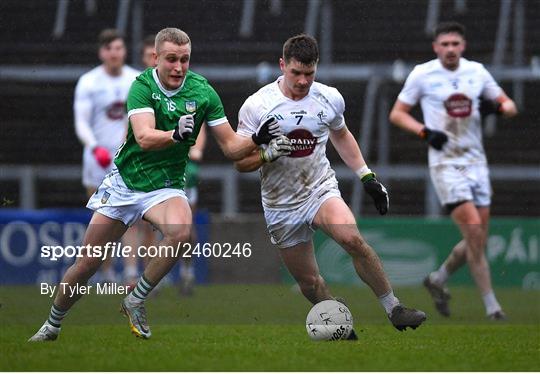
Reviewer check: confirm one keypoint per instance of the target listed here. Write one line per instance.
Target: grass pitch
(261, 328)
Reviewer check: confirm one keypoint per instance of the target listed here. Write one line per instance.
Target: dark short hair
(107, 36)
(447, 28)
(149, 41)
(303, 48)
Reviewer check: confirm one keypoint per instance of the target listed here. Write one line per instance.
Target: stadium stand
(39, 126)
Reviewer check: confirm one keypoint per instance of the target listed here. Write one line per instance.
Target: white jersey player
(450, 101)
(452, 91)
(299, 188)
(289, 181)
(99, 108)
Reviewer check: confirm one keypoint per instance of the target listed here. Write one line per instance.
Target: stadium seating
(39, 129)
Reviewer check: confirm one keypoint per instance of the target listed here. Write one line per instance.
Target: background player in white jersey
(101, 118)
(299, 188)
(166, 108)
(449, 89)
(99, 108)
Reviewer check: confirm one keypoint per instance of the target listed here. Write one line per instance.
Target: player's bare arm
(249, 163)
(347, 148)
(508, 107)
(350, 153)
(279, 146)
(234, 146)
(401, 117)
(146, 134)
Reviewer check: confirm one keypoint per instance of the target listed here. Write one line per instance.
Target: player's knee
(173, 237)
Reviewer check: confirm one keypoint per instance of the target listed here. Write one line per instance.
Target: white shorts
(92, 172)
(290, 227)
(457, 183)
(115, 200)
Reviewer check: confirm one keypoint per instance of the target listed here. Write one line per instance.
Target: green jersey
(151, 170)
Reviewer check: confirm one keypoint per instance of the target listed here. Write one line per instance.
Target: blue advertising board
(25, 234)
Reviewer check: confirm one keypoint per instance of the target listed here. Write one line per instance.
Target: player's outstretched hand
(487, 107)
(377, 191)
(102, 156)
(280, 146)
(184, 128)
(434, 138)
(267, 131)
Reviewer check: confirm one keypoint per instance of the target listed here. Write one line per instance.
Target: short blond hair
(173, 35)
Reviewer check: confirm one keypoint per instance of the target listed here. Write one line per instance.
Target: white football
(329, 320)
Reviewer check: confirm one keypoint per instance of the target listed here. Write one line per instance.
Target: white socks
(440, 276)
(140, 292)
(491, 303)
(388, 301)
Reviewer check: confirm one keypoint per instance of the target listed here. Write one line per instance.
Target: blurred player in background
(101, 118)
(448, 89)
(166, 108)
(142, 232)
(187, 270)
(149, 51)
(299, 188)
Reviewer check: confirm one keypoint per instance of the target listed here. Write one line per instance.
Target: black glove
(267, 131)
(487, 107)
(377, 191)
(435, 138)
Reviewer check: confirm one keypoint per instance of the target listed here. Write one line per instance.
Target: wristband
(363, 172)
(261, 155)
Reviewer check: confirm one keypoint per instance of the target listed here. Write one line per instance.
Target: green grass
(254, 328)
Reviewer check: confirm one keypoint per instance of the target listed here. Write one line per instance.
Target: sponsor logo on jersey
(303, 112)
(303, 142)
(116, 110)
(191, 106)
(156, 96)
(167, 183)
(458, 105)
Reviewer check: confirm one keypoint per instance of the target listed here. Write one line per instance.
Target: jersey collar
(165, 91)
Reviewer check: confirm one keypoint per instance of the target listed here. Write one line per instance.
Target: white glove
(184, 128)
(280, 146)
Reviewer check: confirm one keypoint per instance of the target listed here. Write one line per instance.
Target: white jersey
(99, 107)
(449, 101)
(288, 182)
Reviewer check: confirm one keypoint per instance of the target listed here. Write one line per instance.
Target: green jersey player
(166, 108)
(165, 167)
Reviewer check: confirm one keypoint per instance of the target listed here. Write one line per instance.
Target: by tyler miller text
(72, 290)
